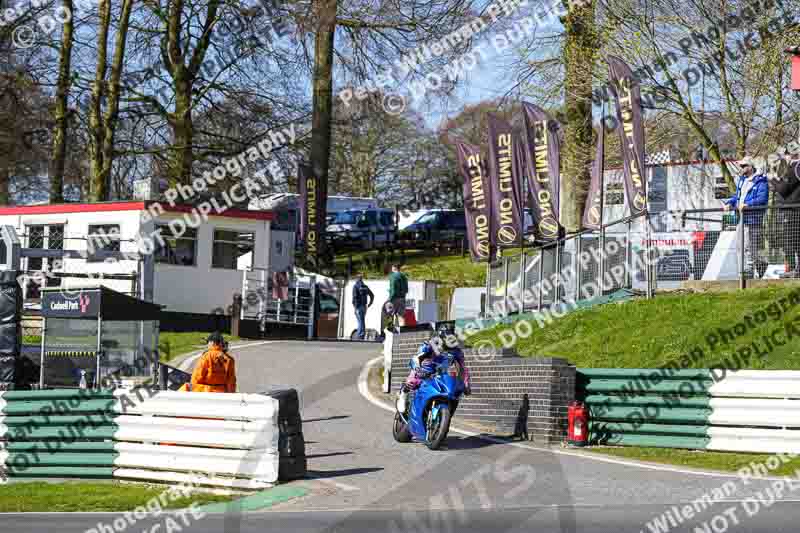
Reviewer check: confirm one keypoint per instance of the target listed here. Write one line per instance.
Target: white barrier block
(198, 404)
(190, 479)
(776, 412)
(198, 432)
(746, 384)
(754, 440)
(258, 464)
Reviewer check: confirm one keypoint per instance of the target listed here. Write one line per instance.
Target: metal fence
(649, 253)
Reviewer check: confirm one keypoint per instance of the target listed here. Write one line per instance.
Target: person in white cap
(752, 190)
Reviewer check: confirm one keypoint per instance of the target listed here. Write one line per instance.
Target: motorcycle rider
(423, 363)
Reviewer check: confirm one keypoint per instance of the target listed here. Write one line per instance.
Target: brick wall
(498, 383)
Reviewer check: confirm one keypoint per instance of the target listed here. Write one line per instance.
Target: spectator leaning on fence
(752, 190)
(787, 193)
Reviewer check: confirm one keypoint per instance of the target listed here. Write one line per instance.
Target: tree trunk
(579, 50)
(323, 98)
(112, 101)
(98, 189)
(181, 157)
(181, 153)
(61, 111)
(5, 175)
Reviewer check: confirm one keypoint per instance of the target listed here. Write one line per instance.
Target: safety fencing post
(541, 278)
(523, 279)
(628, 280)
(577, 266)
(557, 296)
(740, 250)
(505, 286)
(602, 259)
(648, 254)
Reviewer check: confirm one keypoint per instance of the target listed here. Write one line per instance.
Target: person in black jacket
(787, 193)
(361, 293)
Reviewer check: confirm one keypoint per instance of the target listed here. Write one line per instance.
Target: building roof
(134, 205)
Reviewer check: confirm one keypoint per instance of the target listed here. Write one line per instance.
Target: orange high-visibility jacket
(215, 372)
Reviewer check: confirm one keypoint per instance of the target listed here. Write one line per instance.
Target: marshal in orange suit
(216, 370)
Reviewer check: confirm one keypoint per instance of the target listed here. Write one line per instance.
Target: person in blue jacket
(752, 190)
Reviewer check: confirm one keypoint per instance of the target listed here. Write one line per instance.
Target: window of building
(232, 249)
(44, 237)
(614, 194)
(176, 249)
(103, 238)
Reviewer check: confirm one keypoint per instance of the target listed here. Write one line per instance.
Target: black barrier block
(10, 297)
(27, 373)
(291, 425)
(290, 468)
(292, 445)
(8, 364)
(288, 402)
(9, 339)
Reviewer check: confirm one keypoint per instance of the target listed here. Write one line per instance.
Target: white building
(198, 267)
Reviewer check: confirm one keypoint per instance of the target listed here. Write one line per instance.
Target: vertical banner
(312, 213)
(505, 185)
(539, 158)
(626, 92)
(544, 141)
(593, 212)
(477, 201)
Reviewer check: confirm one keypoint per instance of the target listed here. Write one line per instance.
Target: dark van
(442, 227)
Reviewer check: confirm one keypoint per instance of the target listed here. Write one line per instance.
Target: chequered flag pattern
(658, 158)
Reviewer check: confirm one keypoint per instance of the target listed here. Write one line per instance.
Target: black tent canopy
(96, 302)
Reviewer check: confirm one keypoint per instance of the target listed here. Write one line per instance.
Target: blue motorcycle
(427, 418)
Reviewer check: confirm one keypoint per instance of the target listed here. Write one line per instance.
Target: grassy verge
(89, 497)
(724, 461)
(171, 345)
(644, 333)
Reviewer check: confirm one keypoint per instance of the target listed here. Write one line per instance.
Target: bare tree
(61, 108)
(103, 123)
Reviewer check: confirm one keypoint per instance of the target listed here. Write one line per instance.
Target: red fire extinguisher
(578, 424)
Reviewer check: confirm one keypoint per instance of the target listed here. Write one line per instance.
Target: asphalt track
(362, 481)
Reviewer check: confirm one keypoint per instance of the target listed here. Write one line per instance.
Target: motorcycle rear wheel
(438, 431)
(400, 430)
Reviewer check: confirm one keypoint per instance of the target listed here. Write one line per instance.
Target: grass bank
(171, 345)
(723, 461)
(90, 497)
(644, 333)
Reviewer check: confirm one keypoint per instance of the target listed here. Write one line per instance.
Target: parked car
(436, 228)
(362, 229)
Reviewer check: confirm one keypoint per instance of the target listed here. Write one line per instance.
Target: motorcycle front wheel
(437, 430)
(400, 430)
